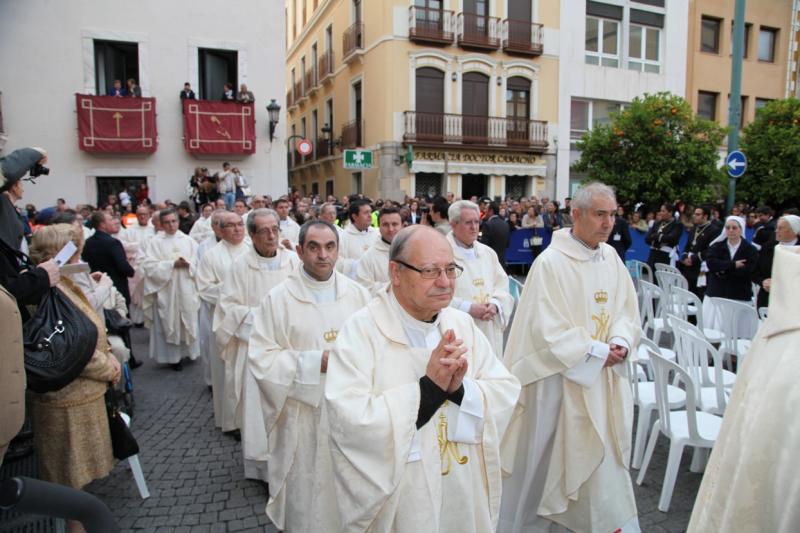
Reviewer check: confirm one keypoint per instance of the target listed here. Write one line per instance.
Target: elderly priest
(569, 448)
(417, 403)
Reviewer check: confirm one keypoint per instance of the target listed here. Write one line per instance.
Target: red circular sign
(304, 146)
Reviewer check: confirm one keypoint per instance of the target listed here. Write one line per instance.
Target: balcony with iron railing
(325, 68)
(353, 134)
(522, 37)
(310, 82)
(430, 26)
(299, 94)
(353, 42)
(478, 31)
(440, 129)
(289, 98)
(324, 148)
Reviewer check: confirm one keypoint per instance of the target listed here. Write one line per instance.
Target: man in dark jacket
(704, 231)
(765, 227)
(185, 218)
(494, 232)
(663, 237)
(620, 238)
(104, 253)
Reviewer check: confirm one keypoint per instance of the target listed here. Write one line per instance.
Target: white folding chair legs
(136, 467)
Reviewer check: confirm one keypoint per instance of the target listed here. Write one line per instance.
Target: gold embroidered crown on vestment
(601, 297)
(330, 335)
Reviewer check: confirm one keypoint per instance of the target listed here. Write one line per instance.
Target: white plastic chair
(683, 428)
(693, 354)
(664, 267)
(644, 397)
(135, 466)
(738, 322)
(639, 270)
(685, 303)
(652, 300)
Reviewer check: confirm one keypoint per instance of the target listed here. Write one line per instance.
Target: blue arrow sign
(736, 162)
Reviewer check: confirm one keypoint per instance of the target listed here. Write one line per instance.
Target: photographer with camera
(27, 283)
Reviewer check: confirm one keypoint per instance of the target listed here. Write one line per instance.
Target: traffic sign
(736, 162)
(357, 159)
(304, 146)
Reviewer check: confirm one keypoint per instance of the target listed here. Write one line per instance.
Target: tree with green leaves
(655, 150)
(772, 146)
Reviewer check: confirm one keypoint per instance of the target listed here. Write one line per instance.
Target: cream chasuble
(298, 320)
(391, 477)
(214, 266)
(751, 481)
(289, 230)
(170, 301)
(133, 239)
(201, 230)
(372, 270)
(568, 447)
(244, 288)
(483, 281)
(353, 244)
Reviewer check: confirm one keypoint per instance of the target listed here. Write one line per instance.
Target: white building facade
(610, 53)
(51, 50)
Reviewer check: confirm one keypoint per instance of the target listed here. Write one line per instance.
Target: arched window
(518, 109)
(429, 104)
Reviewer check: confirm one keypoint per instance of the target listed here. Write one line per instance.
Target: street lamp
(326, 132)
(274, 110)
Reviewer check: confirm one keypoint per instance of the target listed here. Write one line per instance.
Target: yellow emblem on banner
(447, 448)
(330, 335)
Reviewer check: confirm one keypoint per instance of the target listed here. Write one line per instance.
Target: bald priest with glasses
(417, 403)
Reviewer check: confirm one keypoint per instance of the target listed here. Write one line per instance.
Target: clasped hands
(616, 354)
(447, 365)
(181, 263)
(485, 311)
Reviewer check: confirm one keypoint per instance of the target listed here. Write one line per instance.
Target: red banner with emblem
(108, 124)
(213, 127)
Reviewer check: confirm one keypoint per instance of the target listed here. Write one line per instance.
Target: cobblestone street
(194, 472)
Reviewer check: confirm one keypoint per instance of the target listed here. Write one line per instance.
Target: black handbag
(59, 341)
(123, 443)
(116, 324)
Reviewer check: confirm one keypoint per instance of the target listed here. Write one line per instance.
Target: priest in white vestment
(211, 272)
(170, 302)
(417, 403)
(214, 369)
(201, 229)
(482, 291)
(251, 277)
(290, 229)
(294, 333)
(751, 482)
(569, 445)
(359, 235)
(133, 239)
(372, 270)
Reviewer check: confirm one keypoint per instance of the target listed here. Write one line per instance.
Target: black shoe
(236, 434)
(177, 367)
(134, 363)
(140, 325)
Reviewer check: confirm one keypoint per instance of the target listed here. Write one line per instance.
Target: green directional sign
(357, 159)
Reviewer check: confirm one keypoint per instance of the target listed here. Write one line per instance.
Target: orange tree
(655, 150)
(772, 145)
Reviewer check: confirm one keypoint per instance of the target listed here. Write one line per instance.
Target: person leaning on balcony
(187, 93)
(133, 89)
(228, 94)
(245, 96)
(117, 89)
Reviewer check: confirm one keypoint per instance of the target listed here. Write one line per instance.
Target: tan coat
(12, 371)
(70, 426)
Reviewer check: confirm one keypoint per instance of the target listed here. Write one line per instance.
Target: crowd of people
(356, 348)
(229, 94)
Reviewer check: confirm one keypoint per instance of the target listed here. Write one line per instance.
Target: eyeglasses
(452, 271)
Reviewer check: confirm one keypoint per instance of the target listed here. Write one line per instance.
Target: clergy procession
(378, 375)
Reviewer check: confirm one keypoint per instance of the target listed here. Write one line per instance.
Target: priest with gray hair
(568, 449)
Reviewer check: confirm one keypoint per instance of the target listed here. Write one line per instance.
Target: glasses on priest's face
(452, 270)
